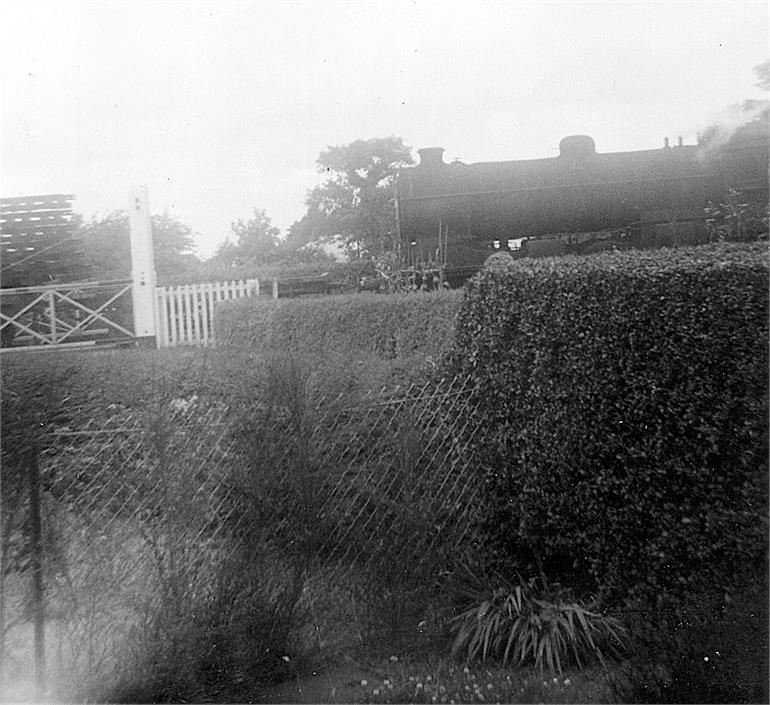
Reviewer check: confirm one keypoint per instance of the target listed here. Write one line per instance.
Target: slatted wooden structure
(38, 243)
(84, 313)
(185, 314)
(45, 300)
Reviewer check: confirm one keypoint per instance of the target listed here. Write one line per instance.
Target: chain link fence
(155, 519)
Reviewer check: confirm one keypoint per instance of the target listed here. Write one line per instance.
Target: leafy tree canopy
(107, 247)
(356, 200)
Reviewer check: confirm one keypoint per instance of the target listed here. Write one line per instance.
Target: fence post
(142, 265)
(36, 565)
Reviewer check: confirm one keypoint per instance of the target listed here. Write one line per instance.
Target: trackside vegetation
(388, 326)
(613, 425)
(625, 453)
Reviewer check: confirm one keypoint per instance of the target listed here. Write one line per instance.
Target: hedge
(388, 326)
(625, 399)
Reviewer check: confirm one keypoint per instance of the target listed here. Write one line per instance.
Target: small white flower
(286, 658)
(376, 691)
(364, 683)
(567, 681)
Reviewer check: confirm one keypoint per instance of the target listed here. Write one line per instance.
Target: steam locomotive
(456, 215)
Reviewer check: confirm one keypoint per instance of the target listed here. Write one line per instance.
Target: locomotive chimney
(431, 157)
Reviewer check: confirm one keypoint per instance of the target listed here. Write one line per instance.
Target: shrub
(626, 397)
(394, 326)
(532, 622)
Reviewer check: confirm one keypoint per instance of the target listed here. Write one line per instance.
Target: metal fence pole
(36, 564)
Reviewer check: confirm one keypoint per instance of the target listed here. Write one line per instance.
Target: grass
(420, 678)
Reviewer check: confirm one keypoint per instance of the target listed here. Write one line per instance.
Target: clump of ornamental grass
(533, 621)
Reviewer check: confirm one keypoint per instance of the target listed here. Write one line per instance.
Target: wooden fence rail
(185, 314)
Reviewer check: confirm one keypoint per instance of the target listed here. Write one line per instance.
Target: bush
(394, 326)
(627, 405)
(532, 622)
(714, 653)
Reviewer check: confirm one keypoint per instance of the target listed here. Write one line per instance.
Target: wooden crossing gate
(40, 304)
(76, 314)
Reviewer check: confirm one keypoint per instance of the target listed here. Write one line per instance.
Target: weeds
(533, 622)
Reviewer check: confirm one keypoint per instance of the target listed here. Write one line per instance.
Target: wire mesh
(142, 508)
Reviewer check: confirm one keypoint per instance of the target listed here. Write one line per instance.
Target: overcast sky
(220, 107)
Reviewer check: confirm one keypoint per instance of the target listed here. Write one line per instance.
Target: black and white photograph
(367, 351)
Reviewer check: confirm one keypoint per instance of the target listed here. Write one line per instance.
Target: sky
(223, 107)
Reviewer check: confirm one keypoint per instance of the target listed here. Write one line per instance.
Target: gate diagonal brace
(94, 314)
(40, 336)
(11, 320)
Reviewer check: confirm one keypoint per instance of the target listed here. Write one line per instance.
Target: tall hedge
(388, 326)
(626, 406)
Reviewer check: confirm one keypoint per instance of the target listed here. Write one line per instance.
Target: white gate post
(142, 265)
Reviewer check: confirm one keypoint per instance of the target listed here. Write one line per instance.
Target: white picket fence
(185, 314)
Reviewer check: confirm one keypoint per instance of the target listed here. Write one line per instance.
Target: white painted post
(210, 294)
(196, 312)
(173, 316)
(142, 264)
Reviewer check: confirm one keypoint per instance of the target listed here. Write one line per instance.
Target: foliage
(356, 200)
(736, 218)
(531, 621)
(712, 652)
(107, 245)
(256, 242)
(352, 334)
(627, 398)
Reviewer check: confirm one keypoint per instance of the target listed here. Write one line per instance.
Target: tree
(107, 247)
(256, 239)
(356, 200)
(256, 244)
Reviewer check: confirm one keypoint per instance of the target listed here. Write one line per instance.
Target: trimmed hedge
(626, 405)
(387, 326)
